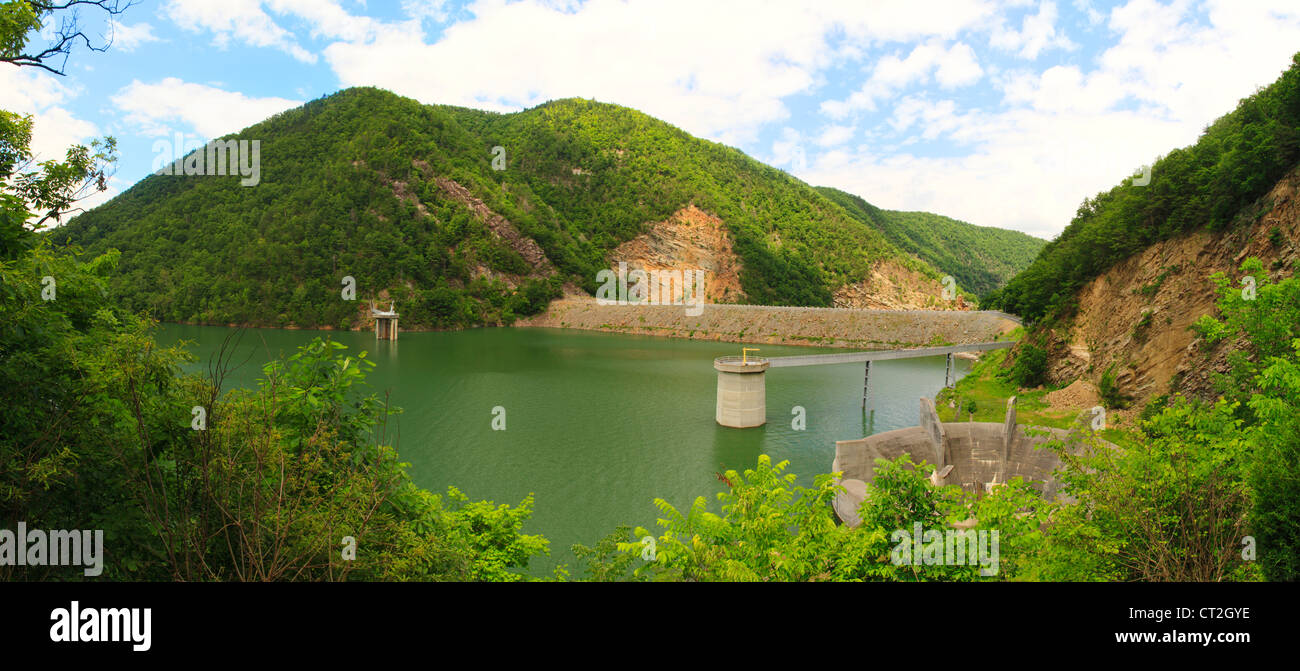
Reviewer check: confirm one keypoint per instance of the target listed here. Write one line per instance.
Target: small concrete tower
(742, 391)
(385, 322)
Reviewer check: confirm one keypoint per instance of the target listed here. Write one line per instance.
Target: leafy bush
(1108, 389)
(772, 529)
(1209, 329)
(1172, 507)
(1029, 369)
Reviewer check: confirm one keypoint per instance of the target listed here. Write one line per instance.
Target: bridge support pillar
(866, 378)
(742, 392)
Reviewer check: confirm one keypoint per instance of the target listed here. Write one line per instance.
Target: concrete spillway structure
(977, 456)
(742, 391)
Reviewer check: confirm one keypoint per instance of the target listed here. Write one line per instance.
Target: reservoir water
(597, 425)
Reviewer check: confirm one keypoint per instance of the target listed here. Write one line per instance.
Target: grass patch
(987, 386)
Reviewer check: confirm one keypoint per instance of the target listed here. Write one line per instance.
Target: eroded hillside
(1136, 316)
(690, 239)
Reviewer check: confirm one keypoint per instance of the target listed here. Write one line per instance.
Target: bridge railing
(882, 355)
(752, 361)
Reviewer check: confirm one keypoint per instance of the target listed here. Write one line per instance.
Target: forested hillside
(404, 198)
(980, 258)
(1209, 184)
(1178, 302)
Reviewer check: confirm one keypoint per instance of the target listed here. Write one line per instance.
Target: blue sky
(1000, 113)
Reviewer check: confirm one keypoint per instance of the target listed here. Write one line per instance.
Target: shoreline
(845, 328)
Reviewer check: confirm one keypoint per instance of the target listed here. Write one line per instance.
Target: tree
(47, 188)
(1264, 381)
(771, 529)
(20, 19)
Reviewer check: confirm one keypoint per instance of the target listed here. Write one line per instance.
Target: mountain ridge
(980, 258)
(404, 198)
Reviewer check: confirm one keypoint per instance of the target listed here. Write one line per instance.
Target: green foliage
(771, 529)
(1020, 514)
(1275, 473)
(1108, 389)
(1151, 288)
(1209, 329)
(1171, 507)
(1029, 369)
(492, 535)
(97, 433)
(1236, 161)
(1264, 380)
(980, 258)
(1154, 407)
(605, 562)
(18, 21)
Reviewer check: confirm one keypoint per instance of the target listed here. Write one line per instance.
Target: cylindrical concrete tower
(742, 392)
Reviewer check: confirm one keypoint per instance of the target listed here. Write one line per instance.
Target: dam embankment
(825, 327)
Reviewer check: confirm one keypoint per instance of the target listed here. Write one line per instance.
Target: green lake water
(597, 425)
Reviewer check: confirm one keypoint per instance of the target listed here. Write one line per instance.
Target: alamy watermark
(949, 287)
(652, 287)
(76, 624)
(218, 157)
(1143, 176)
(55, 547)
(950, 547)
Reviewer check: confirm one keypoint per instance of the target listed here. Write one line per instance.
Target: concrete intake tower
(742, 391)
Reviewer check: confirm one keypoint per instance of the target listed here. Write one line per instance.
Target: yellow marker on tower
(744, 354)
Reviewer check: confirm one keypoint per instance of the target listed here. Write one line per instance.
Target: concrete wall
(934, 430)
(1009, 428)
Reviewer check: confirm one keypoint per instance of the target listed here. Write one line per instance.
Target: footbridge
(742, 389)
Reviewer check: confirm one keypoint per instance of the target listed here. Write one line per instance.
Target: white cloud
(241, 20)
(835, 135)
(1070, 131)
(1037, 33)
(931, 119)
(433, 10)
(788, 150)
(329, 20)
(1095, 17)
(720, 69)
(209, 111)
(128, 37)
(958, 67)
(951, 66)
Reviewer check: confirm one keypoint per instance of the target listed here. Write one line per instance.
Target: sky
(1003, 113)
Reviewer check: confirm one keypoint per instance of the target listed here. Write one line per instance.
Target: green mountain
(980, 258)
(404, 198)
(1210, 184)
